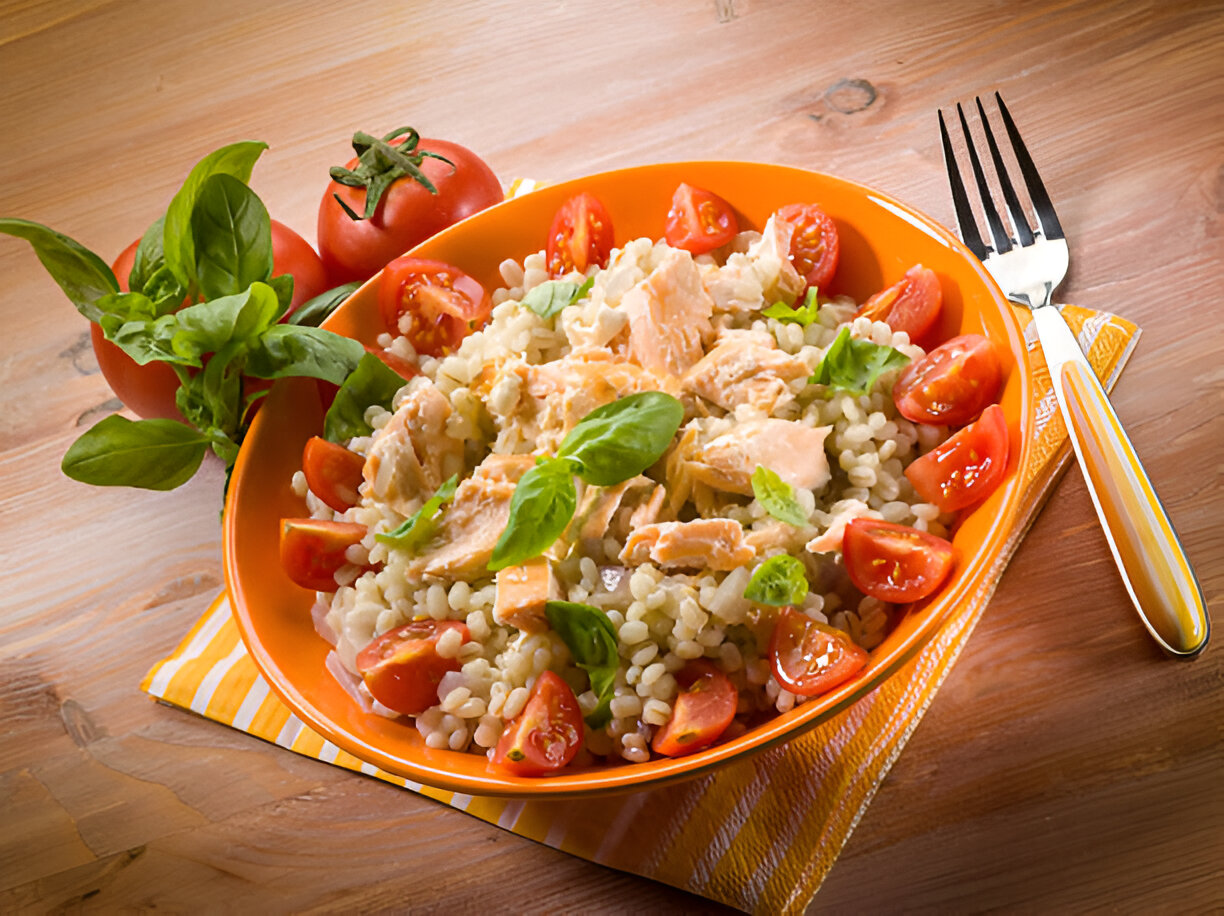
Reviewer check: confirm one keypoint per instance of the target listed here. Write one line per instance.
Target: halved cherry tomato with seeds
(333, 473)
(965, 469)
(434, 304)
(699, 220)
(546, 735)
(703, 709)
(894, 563)
(311, 550)
(911, 304)
(815, 248)
(951, 384)
(809, 657)
(402, 667)
(580, 235)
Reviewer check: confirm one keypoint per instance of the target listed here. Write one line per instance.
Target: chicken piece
(474, 520)
(566, 390)
(412, 455)
(651, 510)
(669, 317)
(762, 276)
(704, 543)
(776, 536)
(522, 592)
(743, 370)
(596, 509)
(791, 450)
(844, 512)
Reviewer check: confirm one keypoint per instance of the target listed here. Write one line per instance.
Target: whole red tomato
(148, 390)
(407, 213)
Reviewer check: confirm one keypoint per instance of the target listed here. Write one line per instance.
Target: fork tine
(1048, 221)
(1018, 220)
(1002, 242)
(960, 200)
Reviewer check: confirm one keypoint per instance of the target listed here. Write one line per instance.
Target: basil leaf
(777, 497)
(284, 350)
(233, 237)
(778, 581)
(802, 316)
(147, 340)
(620, 440)
(282, 285)
(82, 275)
(589, 635)
(854, 365)
(313, 312)
(208, 326)
(178, 242)
(550, 297)
(152, 454)
(149, 258)
(543, 504)
(420, 526)
(370, 383)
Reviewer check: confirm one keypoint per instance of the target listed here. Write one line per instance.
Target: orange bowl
(880, 240)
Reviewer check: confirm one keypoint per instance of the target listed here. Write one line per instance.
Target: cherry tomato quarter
(699, 221)
(967, 468)
(912, 304)
(815, 248)
(580, 235)
(895, 563)
(433, 304)
(546, 735)
(407, 213)
(703, 709)
(810, 658)
(402, 667)
(952, 384)
(311, 550)
(333, 473)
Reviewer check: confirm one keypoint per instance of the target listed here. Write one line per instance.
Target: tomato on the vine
(382, 204)
(815, 247)
(704, 707)
(434, 304)
(894, 563)
(580, 235)
(965, 469)
(699, 220)
(808, 657)
(546, 735)
(312, 550)
(402, 667)
(911, 304)
(951, 384)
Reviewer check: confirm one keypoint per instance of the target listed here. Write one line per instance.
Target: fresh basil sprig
(778, 581)
(589, 635)
(370, 383)
(82, 275)
(804, 315)
(420, 526)
(608, 446)
(777, 497)
(153, 454)
(853, 366)
(550, 297)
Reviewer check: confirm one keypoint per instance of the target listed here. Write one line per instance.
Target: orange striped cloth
(759, 835)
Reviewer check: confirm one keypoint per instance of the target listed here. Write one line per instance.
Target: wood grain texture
(1065, 765)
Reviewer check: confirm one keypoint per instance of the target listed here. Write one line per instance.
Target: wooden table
(1065, 764)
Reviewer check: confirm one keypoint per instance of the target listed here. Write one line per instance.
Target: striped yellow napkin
(759, 835)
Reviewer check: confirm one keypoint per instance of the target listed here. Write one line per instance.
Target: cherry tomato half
(402, 667)
(811, 658)
(815, 248)
(965, 469)
(333, 473)
(546, 735)
(407, 213)
(911, 304)
(311, 550)
(580, 235)
(434, 304)
(894, 563)
(952, 383)
(699, 221)
(703, 709)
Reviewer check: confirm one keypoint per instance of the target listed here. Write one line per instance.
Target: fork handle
(1146, 548)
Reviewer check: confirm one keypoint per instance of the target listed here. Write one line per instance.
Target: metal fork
(1028, 264)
